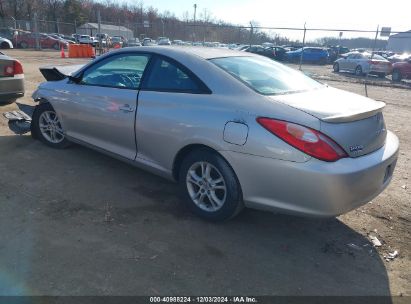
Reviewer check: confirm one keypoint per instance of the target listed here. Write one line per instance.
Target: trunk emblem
(357, 148)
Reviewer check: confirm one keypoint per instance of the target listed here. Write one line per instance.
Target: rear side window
(168, 76)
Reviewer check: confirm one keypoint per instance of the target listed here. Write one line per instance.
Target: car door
(100, 109)
(349, 63)
(344, 62)
(168, 104)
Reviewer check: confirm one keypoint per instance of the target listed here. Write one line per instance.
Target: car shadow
(76, 222)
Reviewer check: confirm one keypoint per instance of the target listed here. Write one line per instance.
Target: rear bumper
(11, 88)
(314, 188)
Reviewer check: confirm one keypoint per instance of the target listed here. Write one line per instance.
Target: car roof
(202, 52)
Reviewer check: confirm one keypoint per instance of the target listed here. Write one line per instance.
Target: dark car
(273, 52)
(335, 52)
(401, 70)
(11, 79)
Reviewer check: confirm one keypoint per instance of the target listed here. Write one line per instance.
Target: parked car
(363, 63)
(59, 37)
(398, 57)
(5, 43)
(334, 52)
(401, 70)
(133, 42)
(45, 41)
(273, 52)
(148, 42)
(310, 54)
(116, 41)
(164, 41)
(11, 79)
(76, 37)
(87, 39)
(232, 128)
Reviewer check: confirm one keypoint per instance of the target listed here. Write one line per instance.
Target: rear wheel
(56, 46)
(209, 186)
(5, 45)
(46, 127)
(396, 75)
(381, 75)
(336, 67)
(358, 71)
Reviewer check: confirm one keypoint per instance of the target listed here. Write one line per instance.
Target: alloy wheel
(50, 127)
(206, 186)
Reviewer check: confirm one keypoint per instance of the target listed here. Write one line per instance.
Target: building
(109, 29)
(400, 42)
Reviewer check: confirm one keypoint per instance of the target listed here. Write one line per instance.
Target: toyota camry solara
(232, 128)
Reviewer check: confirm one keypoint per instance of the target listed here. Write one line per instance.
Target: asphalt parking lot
(76, 222)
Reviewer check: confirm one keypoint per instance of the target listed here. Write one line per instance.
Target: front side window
(170, 77)
(122, 71)
(266, 76)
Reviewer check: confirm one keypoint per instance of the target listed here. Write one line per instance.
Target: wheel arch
(186, 150)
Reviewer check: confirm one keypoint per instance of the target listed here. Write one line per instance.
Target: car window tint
(266, 76)
(122, 71)
(167, 76)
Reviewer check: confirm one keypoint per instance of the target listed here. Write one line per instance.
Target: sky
(340, 14)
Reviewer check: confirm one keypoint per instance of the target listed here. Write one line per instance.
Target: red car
(46, 42)
(401, 70)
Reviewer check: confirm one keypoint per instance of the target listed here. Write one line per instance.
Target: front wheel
(46, 127)
(358, 71)
(209, 186)
(336, 67)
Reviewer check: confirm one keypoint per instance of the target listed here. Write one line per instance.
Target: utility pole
(36, 32)
(195, 13)
(100, 41)
(162, 21)
(302, 50)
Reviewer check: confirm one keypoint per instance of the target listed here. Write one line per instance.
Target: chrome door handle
(126, 108)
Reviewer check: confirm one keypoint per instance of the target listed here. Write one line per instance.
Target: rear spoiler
(56, 73)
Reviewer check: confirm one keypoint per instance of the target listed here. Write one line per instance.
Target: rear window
(266, 76)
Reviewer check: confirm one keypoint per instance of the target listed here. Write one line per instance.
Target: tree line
(205, 27)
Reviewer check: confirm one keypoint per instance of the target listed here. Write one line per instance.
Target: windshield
(266, 76)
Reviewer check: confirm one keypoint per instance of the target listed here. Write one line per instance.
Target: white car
(363, 63)
(5, 43)
(87, 39)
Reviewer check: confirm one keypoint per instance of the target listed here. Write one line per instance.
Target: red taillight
(307, 140)
(13, 69)
(18, 68)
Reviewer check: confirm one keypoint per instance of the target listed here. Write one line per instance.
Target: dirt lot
(75, 222)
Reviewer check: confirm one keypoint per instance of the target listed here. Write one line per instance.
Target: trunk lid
(355, 122)
(55, 73)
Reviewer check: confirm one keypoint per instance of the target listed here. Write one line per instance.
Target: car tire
(381, 75)
(24, 45)
(209, 186)
(336, 67)
(396, 75)
(46, 127)
(358, 70)
(6, 102)
(56, 46)
(5, 45)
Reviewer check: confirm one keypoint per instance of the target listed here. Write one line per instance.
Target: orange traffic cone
(62, 54)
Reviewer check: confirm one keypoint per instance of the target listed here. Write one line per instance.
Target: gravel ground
(75, 222)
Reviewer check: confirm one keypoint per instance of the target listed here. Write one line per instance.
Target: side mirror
(75, 79)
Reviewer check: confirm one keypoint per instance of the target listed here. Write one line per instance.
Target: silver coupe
(234, 129)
